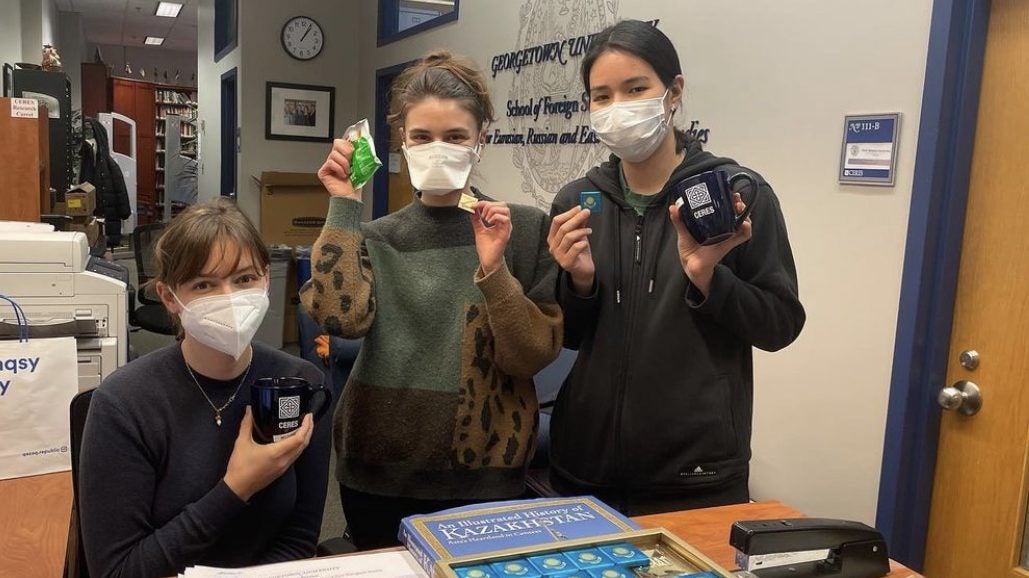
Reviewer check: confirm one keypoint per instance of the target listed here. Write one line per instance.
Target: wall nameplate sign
(869, 155)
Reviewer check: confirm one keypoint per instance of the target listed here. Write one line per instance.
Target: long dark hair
(643, 41)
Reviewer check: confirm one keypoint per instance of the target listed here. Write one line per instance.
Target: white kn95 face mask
(439, 168)
(226, 322)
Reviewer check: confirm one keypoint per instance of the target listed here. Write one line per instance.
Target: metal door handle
(963, 396)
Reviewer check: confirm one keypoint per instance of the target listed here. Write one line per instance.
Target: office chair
(75, 557)
(151, 314)
(60, 222)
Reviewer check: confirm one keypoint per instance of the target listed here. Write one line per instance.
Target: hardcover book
(498, 526)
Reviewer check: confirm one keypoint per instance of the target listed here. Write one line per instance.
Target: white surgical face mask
(438, 168)
(632, 130)
(225, 322)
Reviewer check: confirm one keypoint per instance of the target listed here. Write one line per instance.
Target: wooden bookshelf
(179, 101)
(149, 104)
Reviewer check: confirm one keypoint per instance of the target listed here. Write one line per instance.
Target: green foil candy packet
(365, 162)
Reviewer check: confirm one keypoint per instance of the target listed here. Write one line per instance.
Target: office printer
(65, 292)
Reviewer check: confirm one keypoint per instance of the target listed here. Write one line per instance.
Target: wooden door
(145, 111)
(401, 192)
(124, 96)
(96, 89)
(978, 516)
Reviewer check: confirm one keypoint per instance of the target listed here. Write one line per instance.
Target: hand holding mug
(710, 220)
(253, 466)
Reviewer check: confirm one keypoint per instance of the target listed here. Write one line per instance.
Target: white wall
(25, 27)
(263, 60)
(38, 27)
(50, 23)
(773, 88)
(148, 57)
(10, 31)
(31, 31)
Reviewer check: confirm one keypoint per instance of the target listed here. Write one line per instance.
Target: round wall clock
(302, 38)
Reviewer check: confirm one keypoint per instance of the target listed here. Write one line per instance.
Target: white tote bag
(38, 379)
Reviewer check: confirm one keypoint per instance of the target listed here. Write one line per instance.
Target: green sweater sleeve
(528, 331)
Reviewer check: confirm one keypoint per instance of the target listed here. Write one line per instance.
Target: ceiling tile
(128, 22)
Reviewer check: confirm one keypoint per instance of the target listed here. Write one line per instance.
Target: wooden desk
(708, 529)
(35, 514)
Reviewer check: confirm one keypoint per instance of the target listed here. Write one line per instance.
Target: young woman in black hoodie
(656, 413)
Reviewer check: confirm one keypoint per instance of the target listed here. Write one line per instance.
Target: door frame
(228, 147)
(383, 81)
(950, 104)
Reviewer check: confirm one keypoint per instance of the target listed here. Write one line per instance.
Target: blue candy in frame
(474, 572)
(625, 554)
(611, 572)
(589, 558)
(514, 569)
(552, 564)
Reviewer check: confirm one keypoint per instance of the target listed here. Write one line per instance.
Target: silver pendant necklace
(218, 410)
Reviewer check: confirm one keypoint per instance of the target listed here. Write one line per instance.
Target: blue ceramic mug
(706, 205)
(279, 404)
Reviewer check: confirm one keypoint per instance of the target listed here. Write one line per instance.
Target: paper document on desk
(380, 565)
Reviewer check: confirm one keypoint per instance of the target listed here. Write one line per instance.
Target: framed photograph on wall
(299, 112)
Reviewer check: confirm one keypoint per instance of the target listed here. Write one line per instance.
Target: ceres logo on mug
(711, 217)
(279, 404)
(289, 407)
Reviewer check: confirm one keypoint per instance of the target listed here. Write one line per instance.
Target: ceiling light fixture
(154, 41)
(168, 9)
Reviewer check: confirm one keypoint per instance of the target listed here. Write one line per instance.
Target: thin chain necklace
(218, 410)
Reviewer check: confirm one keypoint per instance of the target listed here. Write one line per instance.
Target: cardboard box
(87, 225)
(80, 201)
(293, 208)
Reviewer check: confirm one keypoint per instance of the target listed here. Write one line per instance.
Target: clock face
(302, 38)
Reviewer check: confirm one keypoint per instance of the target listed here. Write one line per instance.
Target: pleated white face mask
(226, 322)
(439, 168)
(632, 130)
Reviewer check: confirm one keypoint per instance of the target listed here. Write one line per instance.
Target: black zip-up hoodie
(661, 396)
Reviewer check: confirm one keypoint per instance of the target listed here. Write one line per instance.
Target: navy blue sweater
(151, 493)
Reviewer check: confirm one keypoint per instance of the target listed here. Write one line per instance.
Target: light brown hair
(190, 239)
(442, 75)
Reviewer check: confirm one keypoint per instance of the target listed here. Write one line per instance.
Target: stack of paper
(379, 565)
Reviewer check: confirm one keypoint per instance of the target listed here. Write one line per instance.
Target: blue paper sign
(869, 155)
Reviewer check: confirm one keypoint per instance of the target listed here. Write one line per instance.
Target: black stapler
(809, 547)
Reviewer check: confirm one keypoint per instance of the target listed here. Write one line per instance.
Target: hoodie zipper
(639, 235)
(623, 382)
